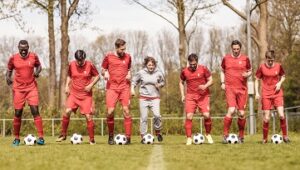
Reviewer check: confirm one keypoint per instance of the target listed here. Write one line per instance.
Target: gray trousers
(154, 106)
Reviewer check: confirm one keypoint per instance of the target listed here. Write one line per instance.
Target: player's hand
(183, 99)
(106, 75)
(128, 77)
(202, 87)
(257, 96)
(223, 86)
(132, 92)
(277, 86)
(88, 88)
(157, 85)
(9, 81)
(36, 74)
(246, 74)
(67, 90)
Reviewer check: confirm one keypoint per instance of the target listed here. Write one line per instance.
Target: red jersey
(233, 69)
(81, 77)
(195, 78)
(118, 68)
(270, 76)
(24, 70)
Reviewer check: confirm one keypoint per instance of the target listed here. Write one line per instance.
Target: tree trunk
(52, 62)
(182, 33)
(263, 28)
(64, 52)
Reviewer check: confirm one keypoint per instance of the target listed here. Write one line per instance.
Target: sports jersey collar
(269, 66)
(25, 56)
(235, 57)
(79, 65)
(192, 70)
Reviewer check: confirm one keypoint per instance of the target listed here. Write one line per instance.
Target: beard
(23, 53)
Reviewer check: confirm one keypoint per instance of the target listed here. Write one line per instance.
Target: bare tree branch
(72, 8)
(257, 4)
(40, 4)
(148, 9)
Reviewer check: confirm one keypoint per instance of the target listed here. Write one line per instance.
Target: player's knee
(67, 112)
(18, 112)
(34, 111)
(110, 111)
(189, 116)
(89, 117)
(266, 119)
(206, 115)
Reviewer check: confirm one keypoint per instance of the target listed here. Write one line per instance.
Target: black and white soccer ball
(276, 139)
(76, 139)
(232, 139)
(148, 139)
(198, 139)
(30, 140)
(120, 139)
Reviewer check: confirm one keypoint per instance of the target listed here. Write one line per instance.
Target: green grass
(175, 155)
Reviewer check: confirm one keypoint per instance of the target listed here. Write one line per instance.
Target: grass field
(171, 154)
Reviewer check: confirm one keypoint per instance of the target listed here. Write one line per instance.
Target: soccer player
(116, 70)
(197, 78)
(272, 76)
(24, 86)
(82, 76)
(236, 68)
(151, 79)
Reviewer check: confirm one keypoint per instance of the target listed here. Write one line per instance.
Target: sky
(110, 15)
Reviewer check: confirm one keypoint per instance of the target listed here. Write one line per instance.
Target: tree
(260, 27)
(186, 11)
(48, 8)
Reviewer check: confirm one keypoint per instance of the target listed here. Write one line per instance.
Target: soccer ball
(198, 139)
(30, 140)
(120, 139)
(76, 139)
(232, 138)
(276, 139)
(148, 139)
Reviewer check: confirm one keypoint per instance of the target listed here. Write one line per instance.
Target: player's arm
(256, 86)
(128, 76)
(181, 87)
(278, 85)
(37, 71)
(8, 77)
(89, 87)
(207, 84)
(222, 77)
(67, 88)
(135, 81)
(247, 73)
(104, 73)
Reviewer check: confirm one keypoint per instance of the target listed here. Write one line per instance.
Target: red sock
(111, 125)
(90, 128)
(64, 125)
(265, 130)
(227, 124)
(241, 125)
(127, 126)
(39, 125)
(17, 126)
(283, 127)
(188, 127)
(207, 124)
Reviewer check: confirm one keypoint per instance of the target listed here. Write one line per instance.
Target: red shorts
(236, 98)
(20, 97)
(85, 104)
(268, 103)
(113, 96)
(194, 101)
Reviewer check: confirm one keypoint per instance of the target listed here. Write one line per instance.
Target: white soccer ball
(120, 139)
(148, 139)
(276, 139)
(76, 139)
(232, 138)
(198, 139)
(30, 140)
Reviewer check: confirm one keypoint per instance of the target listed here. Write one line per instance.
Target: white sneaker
(189, 141)
(209, 139)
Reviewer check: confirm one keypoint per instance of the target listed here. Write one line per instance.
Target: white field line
(156, 159)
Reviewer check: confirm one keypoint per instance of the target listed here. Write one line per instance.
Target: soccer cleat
(159, 138)
(16, 142)
(40, 141)
(209, 139)
(241, 140)
(61, 138)
(92, 142)
(286, 140)
(128, 141)
(111, 140)
(224, 141)
(189, 141)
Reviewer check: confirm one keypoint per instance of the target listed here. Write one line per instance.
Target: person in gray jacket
(150, 79)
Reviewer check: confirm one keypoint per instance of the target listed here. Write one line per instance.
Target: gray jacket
(147, 82)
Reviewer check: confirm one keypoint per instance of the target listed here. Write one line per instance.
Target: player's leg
(111, 99)
(231, 107)
(38, 124)
(241, 105)
(283, 125)
(190, 108)
(144, 106)
(90, 127)
(203, 104)
(64, 125)
(87, 108)
(266, 120)
(19, 101)
(125, 101)
(155, 108)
